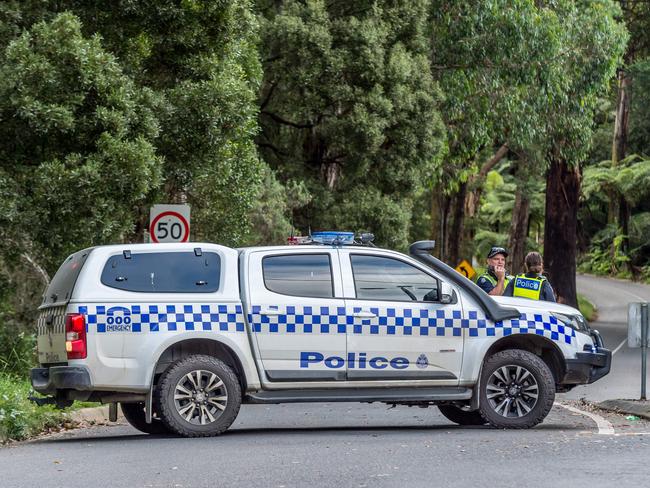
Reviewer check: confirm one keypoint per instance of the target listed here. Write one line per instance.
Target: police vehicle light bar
(333, 237)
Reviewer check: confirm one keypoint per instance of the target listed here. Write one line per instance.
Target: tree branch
(267, 99)
(283, 121)
(492, 162)
(267, 145)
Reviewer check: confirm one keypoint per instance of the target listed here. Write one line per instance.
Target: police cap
(497, 250)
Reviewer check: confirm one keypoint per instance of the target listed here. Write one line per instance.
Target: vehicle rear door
(51, 336)
(400, 329)
(297, 314)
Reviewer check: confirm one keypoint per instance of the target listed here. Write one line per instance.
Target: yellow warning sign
(466, 269)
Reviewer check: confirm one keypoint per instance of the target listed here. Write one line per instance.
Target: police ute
(180, 335)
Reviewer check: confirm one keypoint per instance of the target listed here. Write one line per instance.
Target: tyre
(461, 417)
(134, 415)
(517, 390)
(198, 396)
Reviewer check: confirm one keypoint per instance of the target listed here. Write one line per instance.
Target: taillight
(75, 336)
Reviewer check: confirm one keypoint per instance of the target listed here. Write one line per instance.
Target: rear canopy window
(164, 272)
(304, 275)
(61, 286)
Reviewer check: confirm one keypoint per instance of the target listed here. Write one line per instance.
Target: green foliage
(605, 255)
(591, 45)
(630, 181)
(80, 133)
(587, 309)
(497, 205)
(200, 59)
(350, 108)
(19, 418)
(600, 259)
(269, 216)
(630, 178)
(493, 58)
(17, 350)
(639, 122)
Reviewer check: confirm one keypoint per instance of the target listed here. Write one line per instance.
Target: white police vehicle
(182, 334)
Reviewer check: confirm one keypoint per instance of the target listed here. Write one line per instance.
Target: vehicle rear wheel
(461, 417)
(517, 390)
(198, 396)
(134, 415)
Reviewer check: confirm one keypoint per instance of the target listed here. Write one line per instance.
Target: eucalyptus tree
(594, 44)
(490, 58)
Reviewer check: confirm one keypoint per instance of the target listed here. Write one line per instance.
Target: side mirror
(447, 294)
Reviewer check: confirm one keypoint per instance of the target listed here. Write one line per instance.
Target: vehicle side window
(304, 275)
(382, 278)
(164, 272)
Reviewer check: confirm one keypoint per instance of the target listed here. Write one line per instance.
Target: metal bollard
(644, 347)
(638, 335)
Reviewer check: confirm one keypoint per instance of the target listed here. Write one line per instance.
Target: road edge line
(604, 426)
(618, 348)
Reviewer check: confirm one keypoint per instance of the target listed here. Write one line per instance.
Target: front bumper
(48, 380)
(587, 367)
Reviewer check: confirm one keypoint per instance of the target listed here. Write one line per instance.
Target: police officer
(532, 284)
(495, 280)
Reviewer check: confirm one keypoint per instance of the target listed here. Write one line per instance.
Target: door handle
(269, 312)
(364, 315)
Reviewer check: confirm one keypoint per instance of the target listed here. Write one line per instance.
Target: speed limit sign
(169, 223)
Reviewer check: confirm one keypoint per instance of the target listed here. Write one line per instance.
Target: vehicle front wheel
(198, 396)
(517, 390)
(461, 417)
(134, 415)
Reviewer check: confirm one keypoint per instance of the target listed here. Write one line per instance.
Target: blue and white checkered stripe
(164, 318)
(316, 320)
(300, 320)
(403, 322)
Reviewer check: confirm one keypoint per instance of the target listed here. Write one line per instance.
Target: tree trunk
(518, 232)
(619, 143)
(456, 229)
(618, 211)
(624, 213)
(439, 212)
(560, 229)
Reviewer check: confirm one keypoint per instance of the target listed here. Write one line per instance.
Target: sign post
(639, 336)
(169, 223)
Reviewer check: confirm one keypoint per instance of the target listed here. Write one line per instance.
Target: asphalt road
(612, 298)
(343, 445)
(358, 445)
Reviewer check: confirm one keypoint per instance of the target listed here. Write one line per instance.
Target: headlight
(576, 322)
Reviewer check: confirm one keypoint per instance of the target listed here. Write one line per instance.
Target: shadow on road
(241, 433)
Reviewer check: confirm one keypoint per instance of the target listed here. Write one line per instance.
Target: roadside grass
(587, 309)
(20, 418)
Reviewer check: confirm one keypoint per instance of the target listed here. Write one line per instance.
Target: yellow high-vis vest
(494, 282)
(526, 287)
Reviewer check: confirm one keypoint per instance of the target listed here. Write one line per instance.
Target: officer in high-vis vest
(532, 284)
(495, 280)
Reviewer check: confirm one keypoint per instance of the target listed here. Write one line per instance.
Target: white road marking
(634, 295)
(604, 427)
(618, 348)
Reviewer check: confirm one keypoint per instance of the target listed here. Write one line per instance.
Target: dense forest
(475, 123)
